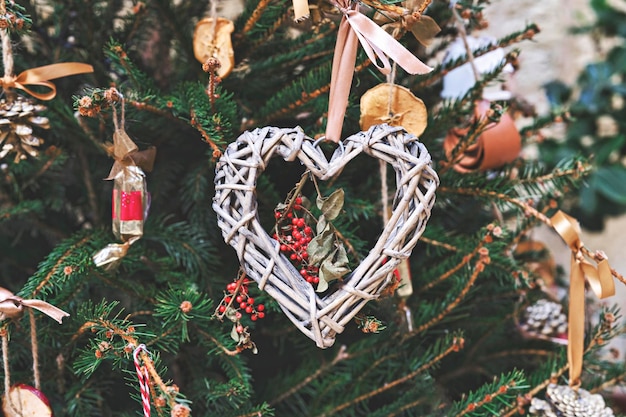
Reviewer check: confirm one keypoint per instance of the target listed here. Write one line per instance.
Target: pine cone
(563, 401)
(17, 119)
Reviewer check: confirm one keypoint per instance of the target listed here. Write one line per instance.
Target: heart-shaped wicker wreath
(235, 203)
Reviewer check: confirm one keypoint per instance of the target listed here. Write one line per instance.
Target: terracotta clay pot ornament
(499, 144)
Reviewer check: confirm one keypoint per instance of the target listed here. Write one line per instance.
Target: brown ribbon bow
(41, 75)
(600, 281)
(126, 153)
(12, 307)
(355, 27)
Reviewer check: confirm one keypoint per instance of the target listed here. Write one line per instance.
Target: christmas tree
(260, 259)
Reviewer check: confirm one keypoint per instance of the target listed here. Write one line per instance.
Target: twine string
(5, 363)
(7, 49)
(34, 348)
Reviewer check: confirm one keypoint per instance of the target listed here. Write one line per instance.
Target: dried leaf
(425, 30)
(321, 246)
(331, 270)
(234, 334)
(321, 224)
(322, 285)
(333, 204)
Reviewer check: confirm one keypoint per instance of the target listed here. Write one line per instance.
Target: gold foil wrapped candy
(130, 197)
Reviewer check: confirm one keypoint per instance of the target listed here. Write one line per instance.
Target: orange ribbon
(41, 75)
(379, 46)
(126, 153)
(600, 281)
(12, 306)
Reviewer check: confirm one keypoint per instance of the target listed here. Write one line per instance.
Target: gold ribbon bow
(12, 307)
(379, 46)
(126, 153)
(41, 75)
(600, 281)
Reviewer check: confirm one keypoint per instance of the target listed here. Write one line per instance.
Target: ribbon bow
(355, 27)
(126, 153)
(600, 281)
(41, 75)
(12, 306)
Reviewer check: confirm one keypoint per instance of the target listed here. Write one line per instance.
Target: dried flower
(181, 410)
(186, 306)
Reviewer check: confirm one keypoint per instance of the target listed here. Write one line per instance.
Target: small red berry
(305, 255)
(293, 257)
(301, 222)
(243, 304)
(277, 214)
(297, 207)
(309, 279)
(237, 315)
(308, 230)
(250, 300)
(222, 309)
(284, 248)
(227, 300)
(253, 317)
(304, 272)
(249, 309)
(290, 215)
(294, 222)
(240, 329)
(298, 200)
(239, 299)
(316, 280)
(260, 314)
(260, 307)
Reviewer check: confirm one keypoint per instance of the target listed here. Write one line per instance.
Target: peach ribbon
(41, 75)
(379, 46)
(600, 281)
(12, 306)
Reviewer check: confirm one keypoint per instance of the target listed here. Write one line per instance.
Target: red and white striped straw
(142, 375)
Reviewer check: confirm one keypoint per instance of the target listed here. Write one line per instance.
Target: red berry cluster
(237, 297)
(294, 235)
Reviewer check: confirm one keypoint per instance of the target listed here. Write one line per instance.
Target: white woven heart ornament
(235, 202)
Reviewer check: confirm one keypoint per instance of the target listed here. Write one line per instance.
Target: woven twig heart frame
(235, 203)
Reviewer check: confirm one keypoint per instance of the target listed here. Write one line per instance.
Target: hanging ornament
(563, 401)
(19, 115)
(212, 39)
(130, 196)
(499, 143)
(394, 105)
(544, 320)
(21, 400)
(379, 47)
(322, 316)
(26, 401)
